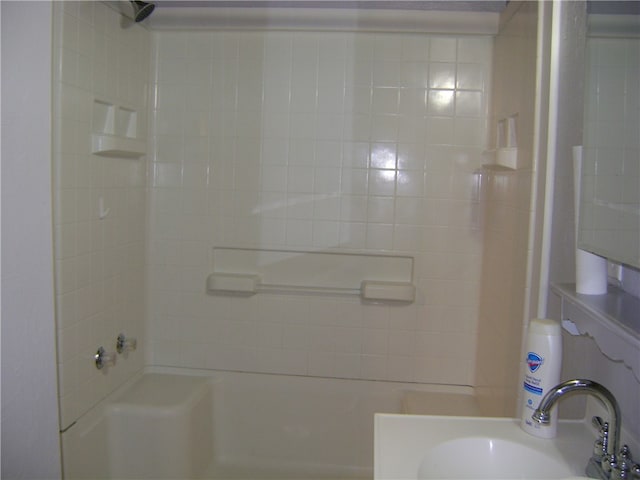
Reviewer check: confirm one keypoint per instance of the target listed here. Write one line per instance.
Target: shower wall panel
(99, 260)
(508, 279)
(331, 141)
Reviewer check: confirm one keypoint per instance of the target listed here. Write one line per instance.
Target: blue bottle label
(534, 361)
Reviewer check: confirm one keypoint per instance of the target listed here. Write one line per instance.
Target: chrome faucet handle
(124, 344)
(597, 422)
(626, 469)
(601, 444)
(104, 359)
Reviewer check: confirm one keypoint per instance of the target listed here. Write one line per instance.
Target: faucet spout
(542, 414)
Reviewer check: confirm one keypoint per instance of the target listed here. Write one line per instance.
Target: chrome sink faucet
(609, 461)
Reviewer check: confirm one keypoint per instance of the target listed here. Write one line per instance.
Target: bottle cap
(545, 326)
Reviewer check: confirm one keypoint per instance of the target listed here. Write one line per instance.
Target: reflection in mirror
(610, 204)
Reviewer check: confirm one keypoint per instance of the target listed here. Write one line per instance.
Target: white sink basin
(440, 447)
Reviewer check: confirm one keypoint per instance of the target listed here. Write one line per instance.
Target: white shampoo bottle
(543, 363)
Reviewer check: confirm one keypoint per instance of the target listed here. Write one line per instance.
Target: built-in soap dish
(505, 156)
(114, 131)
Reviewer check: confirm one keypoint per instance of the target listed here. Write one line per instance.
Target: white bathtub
(177, 423)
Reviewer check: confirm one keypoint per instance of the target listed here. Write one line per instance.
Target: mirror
(609, 223)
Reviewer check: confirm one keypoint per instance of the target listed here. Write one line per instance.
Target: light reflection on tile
(440, 102)
(442, 75)
(382, 182)
(383, 155)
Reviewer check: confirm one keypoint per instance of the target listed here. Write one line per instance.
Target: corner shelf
(116, 146)
(611, 319)
(503, 158)
(115, 130)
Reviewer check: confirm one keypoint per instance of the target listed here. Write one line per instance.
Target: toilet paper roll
(591, 270)
(591, 273)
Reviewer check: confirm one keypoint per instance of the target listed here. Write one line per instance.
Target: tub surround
(351, 142)
(100, 87)
(173, 410)
(214, 424)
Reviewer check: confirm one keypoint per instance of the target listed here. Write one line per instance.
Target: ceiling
(432, 16)
(441, 5)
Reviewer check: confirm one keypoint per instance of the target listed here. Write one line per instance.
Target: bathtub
(183, 423)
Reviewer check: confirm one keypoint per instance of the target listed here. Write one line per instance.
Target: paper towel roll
(591, 273)
(591, 270)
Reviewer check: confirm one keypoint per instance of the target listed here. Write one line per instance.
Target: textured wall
(30, 440)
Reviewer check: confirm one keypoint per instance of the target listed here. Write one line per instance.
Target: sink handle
(597, 422)
(602, 442)
(627, 469)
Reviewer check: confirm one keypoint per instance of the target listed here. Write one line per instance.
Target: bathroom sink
(490, 457)
(441, 447)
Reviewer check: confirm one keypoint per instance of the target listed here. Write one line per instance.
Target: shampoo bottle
(543, 363)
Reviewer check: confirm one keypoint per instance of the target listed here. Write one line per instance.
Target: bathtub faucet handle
(103, 359)
(124, 344)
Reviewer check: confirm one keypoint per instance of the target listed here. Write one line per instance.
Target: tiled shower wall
(508, 209)
(99, 263)
(350, 142)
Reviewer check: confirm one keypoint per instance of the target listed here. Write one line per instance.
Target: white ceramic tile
(442, 75)
(442, 49)
(382, 182)
(379, 237)
(329, 126)
(440, 130)
(387, 73)
(385, 100)
(380, 209)
(353, 208)
(326, 180)
(360, 73)
(354, 181)
(413, 103)
(300, 206)
(414, 74)
(299, 232)
(357, 98)
(387, 47)
(471, 76)
(470, 131)
(374, 367)
(415, 47)
(385, 128)
(300, 179)
(301, 151)
(332, 175)
(303, 126)
(326, 207)
(475, 49)
(469, 104)
(303, 95)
